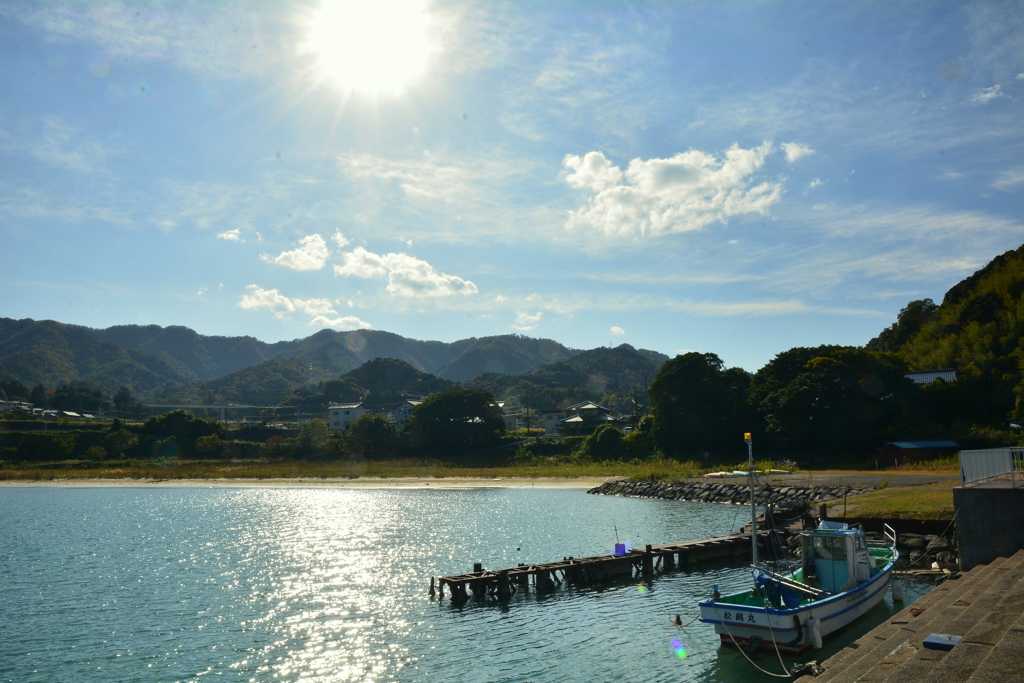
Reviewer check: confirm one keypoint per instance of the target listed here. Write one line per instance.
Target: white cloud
(231, 235)
(318, 307)
(817, 182)
(202, 290)
(1020, 77)
(986, 95)
(795, 151)
(266, 299)
(280, 306)
(347, 322)
(339, 239)
(616, 330)
(361, 263)
(526, 322)
(1009, 179)
(680, 194)
(310, 255)
(407, 275)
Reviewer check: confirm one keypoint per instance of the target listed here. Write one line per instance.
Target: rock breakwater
(784, 497)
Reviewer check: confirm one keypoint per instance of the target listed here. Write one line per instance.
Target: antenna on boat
(753, 510)
(616, 533)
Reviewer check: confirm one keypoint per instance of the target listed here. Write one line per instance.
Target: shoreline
(332, 482)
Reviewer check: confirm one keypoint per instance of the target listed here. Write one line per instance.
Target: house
(585, 417)
(929, 376)
(916, 451)
(552, 419)
(403, 411)
(340, 417)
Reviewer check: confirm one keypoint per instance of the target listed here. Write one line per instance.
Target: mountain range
(177, 363)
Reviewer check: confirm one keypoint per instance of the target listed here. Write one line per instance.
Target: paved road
(859, 479)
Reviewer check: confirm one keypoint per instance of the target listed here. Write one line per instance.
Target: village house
(341, 416)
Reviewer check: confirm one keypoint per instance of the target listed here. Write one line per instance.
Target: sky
(730, 177)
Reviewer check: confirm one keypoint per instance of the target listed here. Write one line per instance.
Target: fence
(992, 464)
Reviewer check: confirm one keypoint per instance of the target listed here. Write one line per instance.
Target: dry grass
(667, 469)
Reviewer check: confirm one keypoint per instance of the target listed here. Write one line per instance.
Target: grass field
(928, 501)
(661, 469)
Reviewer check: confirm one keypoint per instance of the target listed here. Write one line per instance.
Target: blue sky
(732, 177)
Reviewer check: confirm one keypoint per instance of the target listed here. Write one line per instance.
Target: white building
(403, 411)
(552, 420)
(340, 417)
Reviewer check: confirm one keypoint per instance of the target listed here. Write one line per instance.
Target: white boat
(840, 578)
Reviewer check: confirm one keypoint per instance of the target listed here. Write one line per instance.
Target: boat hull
(789, 629)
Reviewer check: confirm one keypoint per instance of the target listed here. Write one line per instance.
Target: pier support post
(504, 589)
(648, 561)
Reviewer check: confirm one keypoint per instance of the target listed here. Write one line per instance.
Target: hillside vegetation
(978, 329)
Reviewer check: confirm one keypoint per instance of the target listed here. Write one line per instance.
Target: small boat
(840, 578)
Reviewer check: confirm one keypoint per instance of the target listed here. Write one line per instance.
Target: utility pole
(753, 510)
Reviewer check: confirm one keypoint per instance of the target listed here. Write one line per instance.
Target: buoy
(897, 589)
(815, 625)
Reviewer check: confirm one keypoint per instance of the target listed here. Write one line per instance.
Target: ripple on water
(279, 584)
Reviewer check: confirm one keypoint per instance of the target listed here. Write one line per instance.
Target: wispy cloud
(407, 276)
(60, 144)
(311, 254)
(1010, 179)
(227, 39)
(986, 95)
(683, 193)
(234, 235)
(526, 322)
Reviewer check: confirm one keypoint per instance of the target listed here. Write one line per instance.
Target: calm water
(281, 584)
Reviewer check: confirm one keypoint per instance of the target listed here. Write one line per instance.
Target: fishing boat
(841, 577)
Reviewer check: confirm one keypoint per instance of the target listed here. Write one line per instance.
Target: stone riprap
(784, 497)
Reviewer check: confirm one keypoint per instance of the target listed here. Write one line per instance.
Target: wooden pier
(503, 583)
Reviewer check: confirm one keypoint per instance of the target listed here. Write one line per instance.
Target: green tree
(909, 322)
(697, 406)
(185, 427)
(38, 396)
(372, 437)
(833, 398)
(312, 437)
(123, 401)
(456, 422)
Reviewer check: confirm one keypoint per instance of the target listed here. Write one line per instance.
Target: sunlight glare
(371, 47)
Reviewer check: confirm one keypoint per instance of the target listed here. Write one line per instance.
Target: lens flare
(641, 589)
(678, 648)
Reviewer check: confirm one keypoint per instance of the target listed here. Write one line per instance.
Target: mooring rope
(740, 648)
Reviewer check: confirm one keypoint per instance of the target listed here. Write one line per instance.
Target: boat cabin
(835, 557)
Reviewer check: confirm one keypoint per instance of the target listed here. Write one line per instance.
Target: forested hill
(977, 329)
(210, 357)
(160, 362)
(52, 354)
(605, 375)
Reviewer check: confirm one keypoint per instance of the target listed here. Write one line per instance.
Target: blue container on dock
(941, 641)
(620, 550)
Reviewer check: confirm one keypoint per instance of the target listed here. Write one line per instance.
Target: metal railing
(992, 464)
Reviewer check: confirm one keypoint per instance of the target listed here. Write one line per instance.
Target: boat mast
(753, 510)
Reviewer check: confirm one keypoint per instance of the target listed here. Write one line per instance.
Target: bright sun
(372, 46)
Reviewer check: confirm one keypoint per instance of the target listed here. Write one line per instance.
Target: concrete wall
(989, 523)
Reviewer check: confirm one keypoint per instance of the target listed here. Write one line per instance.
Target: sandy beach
(344, 482)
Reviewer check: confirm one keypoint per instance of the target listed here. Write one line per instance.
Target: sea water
(331, 584)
